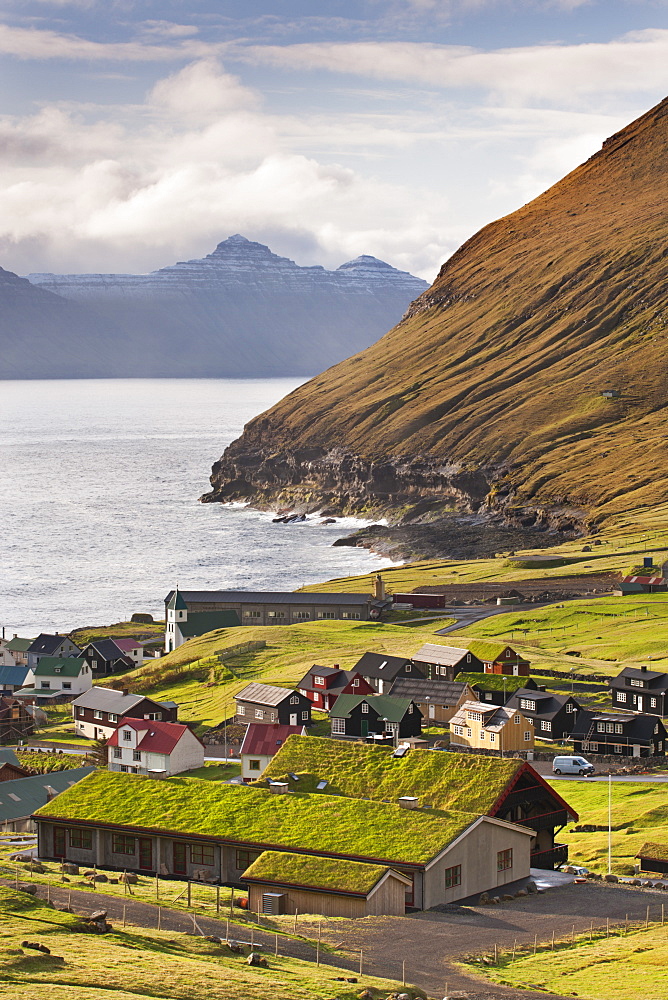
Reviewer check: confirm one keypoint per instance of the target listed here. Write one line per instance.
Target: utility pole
(609, 824)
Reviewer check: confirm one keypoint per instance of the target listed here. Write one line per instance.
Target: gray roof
(8, 756)
(268, 597)
(108, 700)
(380, 665)
(22, 796)
(496, 716)
(265, 694)
(440, 692)
(447, 656)
(47, 644)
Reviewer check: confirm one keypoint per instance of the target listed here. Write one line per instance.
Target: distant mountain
(528, 382)
(240, 311)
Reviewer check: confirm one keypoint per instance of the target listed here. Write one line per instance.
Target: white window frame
(338, 727)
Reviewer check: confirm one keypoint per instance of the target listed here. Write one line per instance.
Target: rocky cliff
(240, 311)
(527, 384)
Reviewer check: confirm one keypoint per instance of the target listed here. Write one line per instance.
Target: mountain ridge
(488, 397)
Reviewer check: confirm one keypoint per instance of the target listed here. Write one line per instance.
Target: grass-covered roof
(328, 824)
(317, 873)
(493, 682)
(658, 852)
(488, 650)
(358, 770)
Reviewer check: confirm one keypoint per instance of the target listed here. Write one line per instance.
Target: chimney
(279, 787)
(379, 588)
(336, 667)
(409, 802)
(644, 669)
(125, 692)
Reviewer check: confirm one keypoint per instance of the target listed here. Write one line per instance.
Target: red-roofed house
(131, 648)
(160, 749)
(323, 685)
(260, 744)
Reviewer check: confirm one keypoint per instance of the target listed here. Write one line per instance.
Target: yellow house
(491, 727)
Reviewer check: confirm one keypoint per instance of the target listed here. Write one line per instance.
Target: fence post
(276, 947)
(188, 893)
(496, 954)
(552, 940)
(535, 943)
(217, 900)
(403, 973)
(159, 917)
(296, 912)
(124, 908)
(361, 961)
(647, 919)
(157, 889)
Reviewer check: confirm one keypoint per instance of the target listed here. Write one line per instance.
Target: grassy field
(121, 630)
(631, 966)
(136, 964)
(639, 813)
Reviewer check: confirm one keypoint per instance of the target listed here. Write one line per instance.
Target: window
(504, 860)
(468, 657)
(80, 713)
(609, 727)
(272, 716)
(619, 728)
(276, 614)
(527, 737)
(409, 667)
(112, 717)
(45, 685)
(546, 726)
(326, 614)
(122, 844)
(458, 730)
(635, 683)
(468, 733)
(528, 704)
(453, 876)
(245, 859)
(118, 752)
(652, 701)
(570, 707)
(618, 748)
(410, 708)
(516, 720)
(488, 695)
(259, 713)
(252, 614)
(127, 734)
(351, 614)
(482, 734)
(154, 716)
(294, 700)
(319, 680)
(621, 696)
(338, 727)
(301, 616)
(305, 716)
(253, 765)
(136, 755)
(201, 854)
(356, 682)
(241, 709)
(365, 708)
(492, 737)
(81, 840)
(57, 670)
(474, 716)
(592, 747)
(67, 686)
(125, 768)
(600, 726)
(97, 715)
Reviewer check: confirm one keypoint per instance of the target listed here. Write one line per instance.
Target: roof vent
(401, 750)
(409, 802)
(279, 787)
(321, 786)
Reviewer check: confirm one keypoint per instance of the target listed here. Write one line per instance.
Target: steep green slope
(488, 396)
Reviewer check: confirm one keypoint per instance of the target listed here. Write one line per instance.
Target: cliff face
(529, 380)
(240, 311)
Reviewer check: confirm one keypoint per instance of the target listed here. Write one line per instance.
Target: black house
(265, 703)
(496, 689)
(622, 735)
(381, 670)
(445, 662)
(104, 657)
(641, 690)
(359, 716)
(553, 715)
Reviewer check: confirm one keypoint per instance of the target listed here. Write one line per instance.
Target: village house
(437, 700)
(20, 798)
(323, 685)
(491, 727)
(10, 768)
(359, 716)
(619, 735)
(16, 722)
(134, 649)
(653, 858)
(6, 658)
(184, 622)
(268, 704)
(381, 670)
(261, 744)
(18, 648)
(12, 678)
(496, 689)
(50, 645)
(57, 678)
(445, 662)
(104, 656)
(641, 690)
(553, 715)
(497, 658)
(98, 712)
(159, 749)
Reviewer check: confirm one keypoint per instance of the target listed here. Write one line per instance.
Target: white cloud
(35, 43)
(201, 91)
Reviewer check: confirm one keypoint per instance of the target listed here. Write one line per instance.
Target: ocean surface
(99, 487)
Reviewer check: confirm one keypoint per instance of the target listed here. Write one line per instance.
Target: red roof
(268, 740)
(159, 737)
(127, 644)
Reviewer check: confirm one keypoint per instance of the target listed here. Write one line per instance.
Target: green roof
(317, 873)
(22, 796)
(328, 824)
(64, 666)
(658, 852)
(392, 709)
(177, 602)
(438, 778)
(493, 682)
(202, 622)
(8, 756)
(18, 645)
(488, 650)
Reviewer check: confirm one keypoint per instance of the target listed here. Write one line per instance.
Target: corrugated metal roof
(447, 656)
(439, 692)
(158, 737)
(108, 700)
(265, 694)
(23, 796)
(265, 741)
(8, 756)
(270, 597)
(380, 665)
(13, 676)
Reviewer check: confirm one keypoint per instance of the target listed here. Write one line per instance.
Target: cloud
(34, 43)
(201, 91)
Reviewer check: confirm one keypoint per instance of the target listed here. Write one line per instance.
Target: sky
(135, 133)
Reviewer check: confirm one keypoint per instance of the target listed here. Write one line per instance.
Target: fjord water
(99, 489)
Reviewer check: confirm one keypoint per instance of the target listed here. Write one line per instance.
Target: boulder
(484, 898)
(256, 959)
(521, 892)
(647, 884)
(35, 866)
(30, 888)
(610, 878)
(98, 915)
(507, 897)
(100, 877)
(496, 900)
(531, 887)
(89, 873)
(128, 877)
(69, 868)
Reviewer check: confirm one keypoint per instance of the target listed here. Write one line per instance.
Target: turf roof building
(497, 658)
(653, 858)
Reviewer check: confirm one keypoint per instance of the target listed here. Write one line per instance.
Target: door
(59, 842)
(180, 866)
(640, 703)
(432, 711)
(145, 854)
(410, 890)
(293, 718)
(364, 727)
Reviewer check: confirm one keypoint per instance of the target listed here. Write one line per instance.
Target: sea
(99, 488)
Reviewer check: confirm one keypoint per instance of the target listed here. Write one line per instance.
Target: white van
(572, 765)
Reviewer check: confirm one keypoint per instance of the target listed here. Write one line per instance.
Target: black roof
(636, 727)
(380, 665)
(343, 677)
(267, 597)
(547, 704)
(108, 650)
(654, 679)
(440, 692)
(46, 644)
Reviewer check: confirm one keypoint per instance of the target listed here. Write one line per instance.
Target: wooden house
(98, 713)
(105, 657)
(323, 685)
(437, 700)
(445, 662)
(16, 722)
(261, 744)
(653, 858)
(268, 704)
(159, 749)
(50, 645)
(553, 715)
(280, 882)
(12, 679)
(359, 716)
(639, 689)
(381, 670)
(496, 689)
(620, 735)
(10, 769)
(491, 727)
(497, 658)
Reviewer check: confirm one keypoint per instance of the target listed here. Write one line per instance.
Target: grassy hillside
(492, 386)
(136, 964)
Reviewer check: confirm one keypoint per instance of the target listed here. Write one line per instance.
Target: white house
(58, 675)
(97, 713)
(260, 745)
(160, 749)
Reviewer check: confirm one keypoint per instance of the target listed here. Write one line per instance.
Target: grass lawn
(136, 964)
(121, 630)
(639, 813)
(214, 772)
(632, 966)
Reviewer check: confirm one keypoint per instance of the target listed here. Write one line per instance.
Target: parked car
(572, 765)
